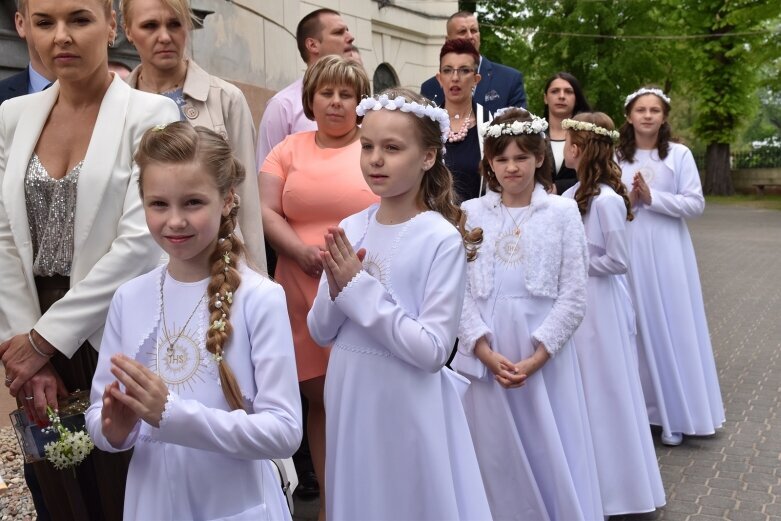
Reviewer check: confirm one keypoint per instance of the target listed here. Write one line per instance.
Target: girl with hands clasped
(629, 477)
(196, 370)
(525, 296)
(398, 444)
(677, 369)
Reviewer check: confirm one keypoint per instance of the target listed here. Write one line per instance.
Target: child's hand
(641, 187)
(145, 393)
(528, 366)
(117, 419)
(503, 370)
(340, 262)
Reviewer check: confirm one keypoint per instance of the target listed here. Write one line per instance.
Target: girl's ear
(540, 161)
(229, 202)
(429, 159)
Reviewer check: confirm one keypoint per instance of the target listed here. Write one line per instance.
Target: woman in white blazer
(72, 229)
(160, 30)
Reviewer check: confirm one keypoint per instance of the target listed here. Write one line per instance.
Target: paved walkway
(736, 474)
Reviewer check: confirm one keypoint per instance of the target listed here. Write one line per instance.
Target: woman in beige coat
(160, 29)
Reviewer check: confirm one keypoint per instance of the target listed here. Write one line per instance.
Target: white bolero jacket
(555, 265)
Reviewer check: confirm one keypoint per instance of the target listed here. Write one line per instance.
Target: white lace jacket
(555, 265)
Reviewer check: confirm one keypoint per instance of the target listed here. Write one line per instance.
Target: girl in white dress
(629, 477)
(677, 368)
(196, 370)
(526, 295)
(398, 444)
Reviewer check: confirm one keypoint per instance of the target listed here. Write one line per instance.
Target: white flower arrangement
(71, 447)
(400, 103)
(571, 124)
(642, 92)
(514, 128)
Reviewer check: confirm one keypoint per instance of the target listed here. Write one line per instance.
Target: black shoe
(307, 488)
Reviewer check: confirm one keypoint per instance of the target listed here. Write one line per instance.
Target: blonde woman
(160, 30)
(71, 229)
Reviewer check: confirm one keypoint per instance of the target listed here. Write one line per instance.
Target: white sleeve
(273, 429)
(425, 341)
(109, 346)
(471, 328)
(324, 318)
(570, 304)
(272, 130)
(611, 213)
(688, 200)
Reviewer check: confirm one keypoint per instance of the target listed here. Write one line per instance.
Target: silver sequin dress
(51, 210)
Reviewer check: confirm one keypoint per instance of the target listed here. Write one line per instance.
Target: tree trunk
(718, 180)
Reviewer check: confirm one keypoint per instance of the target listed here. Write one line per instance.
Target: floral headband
(514, 128)
(642, 92)
(400, 103)
(571, 124)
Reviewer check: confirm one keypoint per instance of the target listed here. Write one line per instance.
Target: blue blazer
(499, 87)
(15, 85)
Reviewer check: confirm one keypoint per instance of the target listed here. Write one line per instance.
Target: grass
(767, 202)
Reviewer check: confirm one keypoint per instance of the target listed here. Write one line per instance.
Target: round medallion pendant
(180, 363)
(508, 248)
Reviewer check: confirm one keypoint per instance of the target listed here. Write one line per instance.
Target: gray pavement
(736, 474)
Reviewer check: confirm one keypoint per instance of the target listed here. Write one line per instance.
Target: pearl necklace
(460, 135)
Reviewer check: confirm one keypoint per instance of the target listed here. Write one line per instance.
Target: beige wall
(253, 41)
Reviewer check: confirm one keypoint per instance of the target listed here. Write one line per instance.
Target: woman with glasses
(458, 62)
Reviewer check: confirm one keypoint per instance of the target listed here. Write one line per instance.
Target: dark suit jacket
(500, 87)
(15, 85)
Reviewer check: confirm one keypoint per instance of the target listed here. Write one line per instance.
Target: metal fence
(765, 157)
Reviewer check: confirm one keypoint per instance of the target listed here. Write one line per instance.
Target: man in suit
(500, 86)
(34, 77)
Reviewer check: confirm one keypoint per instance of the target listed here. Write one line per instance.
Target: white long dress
(629, 477)
(398, 444)
(534, 442)
(204, 462)
(677, 368)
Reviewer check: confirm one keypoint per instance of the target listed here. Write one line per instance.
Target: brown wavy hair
(181, 143)
(534, 144)
(436, 189)
(596, 162)
(627, 146)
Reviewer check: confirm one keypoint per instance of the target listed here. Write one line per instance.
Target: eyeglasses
(461, 71)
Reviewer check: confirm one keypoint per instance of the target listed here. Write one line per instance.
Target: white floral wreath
(436, 114)
(642, 92)
(571, 124)
(514, 128)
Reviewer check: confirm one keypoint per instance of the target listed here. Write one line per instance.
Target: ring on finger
(29, 397)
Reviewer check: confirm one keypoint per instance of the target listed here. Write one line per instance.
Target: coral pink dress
(322, 186)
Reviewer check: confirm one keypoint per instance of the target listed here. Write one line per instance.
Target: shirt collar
(37, 82)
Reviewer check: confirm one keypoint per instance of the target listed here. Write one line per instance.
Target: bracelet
(36, 348)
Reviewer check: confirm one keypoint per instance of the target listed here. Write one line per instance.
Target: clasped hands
(340, 262)
(508, 374)
(144, 399)
(640, 190)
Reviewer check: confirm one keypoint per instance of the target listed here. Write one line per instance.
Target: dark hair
(181, 143)
(626, 148)
(581, 104)
(336, 71)
(459, 46)
(436, 188)
(534, 144)
(310, 26)
(596, 162)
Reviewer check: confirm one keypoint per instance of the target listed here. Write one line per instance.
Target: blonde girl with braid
(398, 443)
(629, 478)
(196, 370)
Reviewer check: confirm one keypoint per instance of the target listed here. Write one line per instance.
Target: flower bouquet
(64, 442)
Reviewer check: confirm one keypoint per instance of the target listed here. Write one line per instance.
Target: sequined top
(51, 210)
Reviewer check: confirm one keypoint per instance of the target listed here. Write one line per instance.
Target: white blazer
(111, 242)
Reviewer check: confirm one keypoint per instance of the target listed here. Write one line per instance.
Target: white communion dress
(677, 368)
(629, 477)
(534, 442)
(204, 462)
(398, 443)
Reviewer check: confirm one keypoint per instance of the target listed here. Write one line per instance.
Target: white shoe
(674, 439)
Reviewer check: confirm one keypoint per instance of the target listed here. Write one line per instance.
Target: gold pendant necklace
(166, 334)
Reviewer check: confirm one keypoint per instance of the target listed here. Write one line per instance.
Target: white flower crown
(514, 128)
(571, 124)
(643, 91)
(436, 114)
